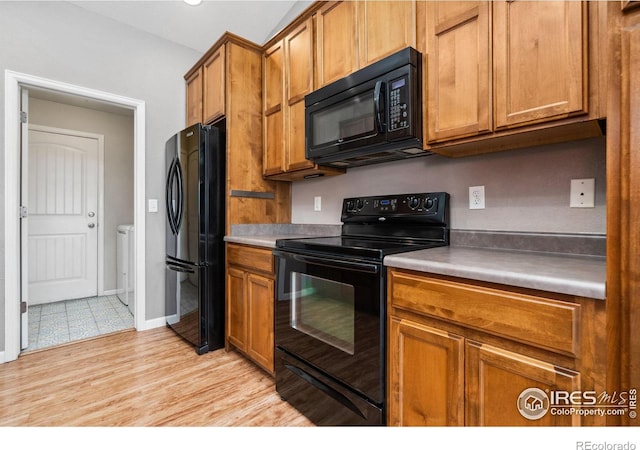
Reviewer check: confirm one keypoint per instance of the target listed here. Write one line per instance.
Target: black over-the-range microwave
(373, 115)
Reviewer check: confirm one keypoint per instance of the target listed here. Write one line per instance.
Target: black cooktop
(358, 247)
(374, 227)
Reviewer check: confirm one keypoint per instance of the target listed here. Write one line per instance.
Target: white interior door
(63, 215)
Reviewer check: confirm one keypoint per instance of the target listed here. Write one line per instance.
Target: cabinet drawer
(257, 259)
(538, 321)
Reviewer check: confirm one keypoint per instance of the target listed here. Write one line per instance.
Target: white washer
(125, 279)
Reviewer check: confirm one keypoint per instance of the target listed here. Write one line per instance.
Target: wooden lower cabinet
(437, 378)
(250, 303)
(496, 377)
(260, 307)
(457, 356)
(236, 311)
(426, 375)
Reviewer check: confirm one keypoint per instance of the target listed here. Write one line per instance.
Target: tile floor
(70, 320)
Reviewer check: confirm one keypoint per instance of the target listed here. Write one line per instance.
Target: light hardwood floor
(149, 378)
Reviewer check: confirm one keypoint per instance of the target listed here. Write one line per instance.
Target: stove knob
(359, 204)
(350, 205)
(414, 202)
(428, 203)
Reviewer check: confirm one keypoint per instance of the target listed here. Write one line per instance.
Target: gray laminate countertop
(562, 273)
(266, 235)
(556, 266)
(266, 241)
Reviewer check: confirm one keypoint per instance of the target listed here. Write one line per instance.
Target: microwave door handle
(378, 105)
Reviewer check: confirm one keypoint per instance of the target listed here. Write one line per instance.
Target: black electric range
(374, 227)
(330, 318)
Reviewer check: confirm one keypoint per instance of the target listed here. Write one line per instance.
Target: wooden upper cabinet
(299, 82)
(337, 41)
(194, 98)
(384, 28)
(273, 77)
(498, 69)
(459, 69)
(288, 65)
(540, 60)
(214, 86)
(352, 35)
(273, 162)
(232, 88)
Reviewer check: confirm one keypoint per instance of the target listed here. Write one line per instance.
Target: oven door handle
(332, 263)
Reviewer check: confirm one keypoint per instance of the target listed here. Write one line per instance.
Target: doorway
(78, 189)
(14, 84)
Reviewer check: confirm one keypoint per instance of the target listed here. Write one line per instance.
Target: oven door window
(323, 309)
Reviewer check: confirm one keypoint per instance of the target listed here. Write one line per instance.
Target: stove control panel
(415, 207)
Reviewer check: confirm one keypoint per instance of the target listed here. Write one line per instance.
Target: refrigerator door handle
(169, 198)
(177, 268)
(181, 262)
(178, 171)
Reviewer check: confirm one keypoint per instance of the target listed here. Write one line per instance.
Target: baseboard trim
(153, 323)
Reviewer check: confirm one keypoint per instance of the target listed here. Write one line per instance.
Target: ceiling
(199, 27)
(195, 27)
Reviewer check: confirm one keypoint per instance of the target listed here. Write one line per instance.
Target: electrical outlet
(582, 193)
(476, 197)
(317, 203)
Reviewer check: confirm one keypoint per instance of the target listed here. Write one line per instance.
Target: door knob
(91, 225)
(91, 214)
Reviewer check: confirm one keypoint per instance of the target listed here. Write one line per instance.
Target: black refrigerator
(195, 207)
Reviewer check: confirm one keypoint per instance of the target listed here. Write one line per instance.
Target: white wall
(525, 189)
(296, 9)
(60, 41)
(117, 130)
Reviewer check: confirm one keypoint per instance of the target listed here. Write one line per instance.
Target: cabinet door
(337, 42)
(273, 110)
(299, 76)
(194, 98)
(496, 380)
(260, 303)
(426, 375)
(236, 308)
(540, 53)
(384, 28)
(459, 75)
(214, 87)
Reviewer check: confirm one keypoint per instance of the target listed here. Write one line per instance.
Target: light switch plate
(153, 205)
(583, 193)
